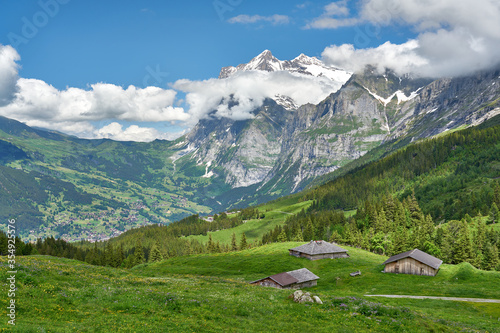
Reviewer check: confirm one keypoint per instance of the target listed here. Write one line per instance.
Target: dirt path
(460, 299)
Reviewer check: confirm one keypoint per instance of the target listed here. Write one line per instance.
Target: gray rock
(317, 300)
(306, 299)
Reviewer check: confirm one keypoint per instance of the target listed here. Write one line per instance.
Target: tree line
(151, 243)
(390, 226)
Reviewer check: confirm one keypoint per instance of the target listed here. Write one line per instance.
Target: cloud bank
(115, 131)
(455, 37)
(249, 89)
(73, 110)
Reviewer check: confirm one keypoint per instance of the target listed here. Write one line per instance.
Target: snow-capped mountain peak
(302, 65)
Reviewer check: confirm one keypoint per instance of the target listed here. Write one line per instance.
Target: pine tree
(282, 236)
(399, 216)
(490, 259)
(414, 210)
(447, 244)
(243, 242)
(496, 196)
(234, 244)
(108, 255)
(400, 240)
(155, 254)
(431, 249)
(494, 213)
(79, 255)
(118, 257)
(390, 209)
(424, 231)
(210, 244)
(298, 236)
(309, 232)
(480, 234)
(464, 246)
(139, 254)
(381, 222)
(335, 237)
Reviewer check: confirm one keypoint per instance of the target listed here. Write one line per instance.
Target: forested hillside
(440, 195)
(61, 186)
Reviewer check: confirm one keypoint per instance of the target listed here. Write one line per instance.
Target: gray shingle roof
(318, 247)
(418, 255)
(287, 278)
(303, 275)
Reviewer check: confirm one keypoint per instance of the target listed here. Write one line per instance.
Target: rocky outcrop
(300, 297)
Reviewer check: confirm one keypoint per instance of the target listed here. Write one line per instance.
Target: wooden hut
(315, 250)
(300, 278)
(414, 262)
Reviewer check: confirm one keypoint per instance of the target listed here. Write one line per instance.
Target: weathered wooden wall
(305, 284)
(409, 266)
(268, 283)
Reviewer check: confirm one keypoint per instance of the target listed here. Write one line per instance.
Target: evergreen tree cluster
(390, 226)
(146, 244)
(21, 248)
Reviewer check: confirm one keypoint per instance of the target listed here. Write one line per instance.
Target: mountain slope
(223, 163)
(54, 184)
(368, 111)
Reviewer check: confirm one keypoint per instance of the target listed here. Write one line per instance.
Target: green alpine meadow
(250, 166)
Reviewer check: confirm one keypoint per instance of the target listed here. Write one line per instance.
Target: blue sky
(117, 41)
(90, 68)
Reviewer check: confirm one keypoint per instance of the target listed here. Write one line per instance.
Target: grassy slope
(275, 214)
(452, 280)
(209, 293)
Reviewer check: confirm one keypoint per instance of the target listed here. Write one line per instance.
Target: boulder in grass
(317, 300)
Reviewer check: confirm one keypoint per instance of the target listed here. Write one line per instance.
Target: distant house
(315, 250)
(300, 278)
(414, 262)
(208, 218)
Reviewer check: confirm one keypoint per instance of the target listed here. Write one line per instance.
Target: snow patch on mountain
(398, 94)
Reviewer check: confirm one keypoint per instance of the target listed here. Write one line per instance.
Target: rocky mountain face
(283, 148)
(241, 152)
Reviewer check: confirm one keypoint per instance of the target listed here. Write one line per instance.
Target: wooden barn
(300, 278)
(315, 250)
(414, 262)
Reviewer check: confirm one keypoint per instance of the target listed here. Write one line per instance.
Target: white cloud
(246, 19)
(8, 73)
(455, 37)
(330, 17)
(39, 104)
(338, 8)
(400, 58)
(249, 89)
(116, 132)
